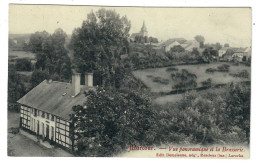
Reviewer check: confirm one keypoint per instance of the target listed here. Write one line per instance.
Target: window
(43, 114)
(35, 112)
(52, 117)
(48, 116)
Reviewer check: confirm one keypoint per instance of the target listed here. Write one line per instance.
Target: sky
(224, 25)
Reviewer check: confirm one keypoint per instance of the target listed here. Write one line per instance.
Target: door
(47, 131)
(38, 127)
(43, 130)
(52, 133)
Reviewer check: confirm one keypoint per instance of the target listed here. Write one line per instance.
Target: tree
(223, 68)
(226, 45)
(184, 80)
(195, 52)
(99, 43)
(238, 107)
(23, 65)
(153, 40)
(51, 53)
(16, 88)
(218, 46)
(200, 39)
(109, 122)
(177, 48)
(11, 43)
(140, 39)
(38, 77)
(209, 53)
(37, 39)
(207, 83)
(219, 117)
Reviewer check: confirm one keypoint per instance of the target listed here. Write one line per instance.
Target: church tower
(144, 31)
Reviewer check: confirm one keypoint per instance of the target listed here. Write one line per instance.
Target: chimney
(89, 79)
(49, 81)
(75, 84)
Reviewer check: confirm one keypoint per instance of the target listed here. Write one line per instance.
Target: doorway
(47, 131)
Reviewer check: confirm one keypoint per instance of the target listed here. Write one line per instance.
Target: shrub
(184, 80)
(223, 68)
(207, 83)
(172, 69)
(23, 65)
(210, 70)
(242, 74)
(161, 80)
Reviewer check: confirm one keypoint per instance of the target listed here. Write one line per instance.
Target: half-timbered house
(45, 110)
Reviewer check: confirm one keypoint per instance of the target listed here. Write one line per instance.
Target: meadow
(20, 55)
(159, 79)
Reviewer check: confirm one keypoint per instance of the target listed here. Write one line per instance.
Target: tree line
(108, 123)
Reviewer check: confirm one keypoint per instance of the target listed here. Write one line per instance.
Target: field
(12, 55)
(150, 76)
(173, 98)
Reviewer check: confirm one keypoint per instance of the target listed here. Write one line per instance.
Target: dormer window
(48, 116)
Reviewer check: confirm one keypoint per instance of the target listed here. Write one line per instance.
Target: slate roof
(225, 48)
(55, 98)
(170, 41)
(240, 50)
(134, 35)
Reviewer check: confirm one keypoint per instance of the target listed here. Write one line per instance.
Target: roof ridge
(61, 82)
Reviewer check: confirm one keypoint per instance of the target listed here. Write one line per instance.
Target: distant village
(224, 52)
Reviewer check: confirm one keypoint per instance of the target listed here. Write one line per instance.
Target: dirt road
(19, 145)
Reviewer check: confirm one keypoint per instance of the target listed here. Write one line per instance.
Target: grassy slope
(199, 70)
(20, 55)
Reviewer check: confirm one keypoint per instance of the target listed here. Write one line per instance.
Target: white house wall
(61, 132)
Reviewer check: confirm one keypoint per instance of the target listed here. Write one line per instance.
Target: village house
(222, 51)
(188, 45)
(242, 54)
(167, 45)
(45, 110)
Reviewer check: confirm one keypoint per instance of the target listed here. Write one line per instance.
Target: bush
(223, 68)
(207, 83)
(161, 80)
(210, 70)
(223, 120)
(23, 65)
(170, 69)
(111, 122)
(184, 80)
(242, 74)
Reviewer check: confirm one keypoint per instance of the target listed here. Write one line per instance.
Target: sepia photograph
(103, 81)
